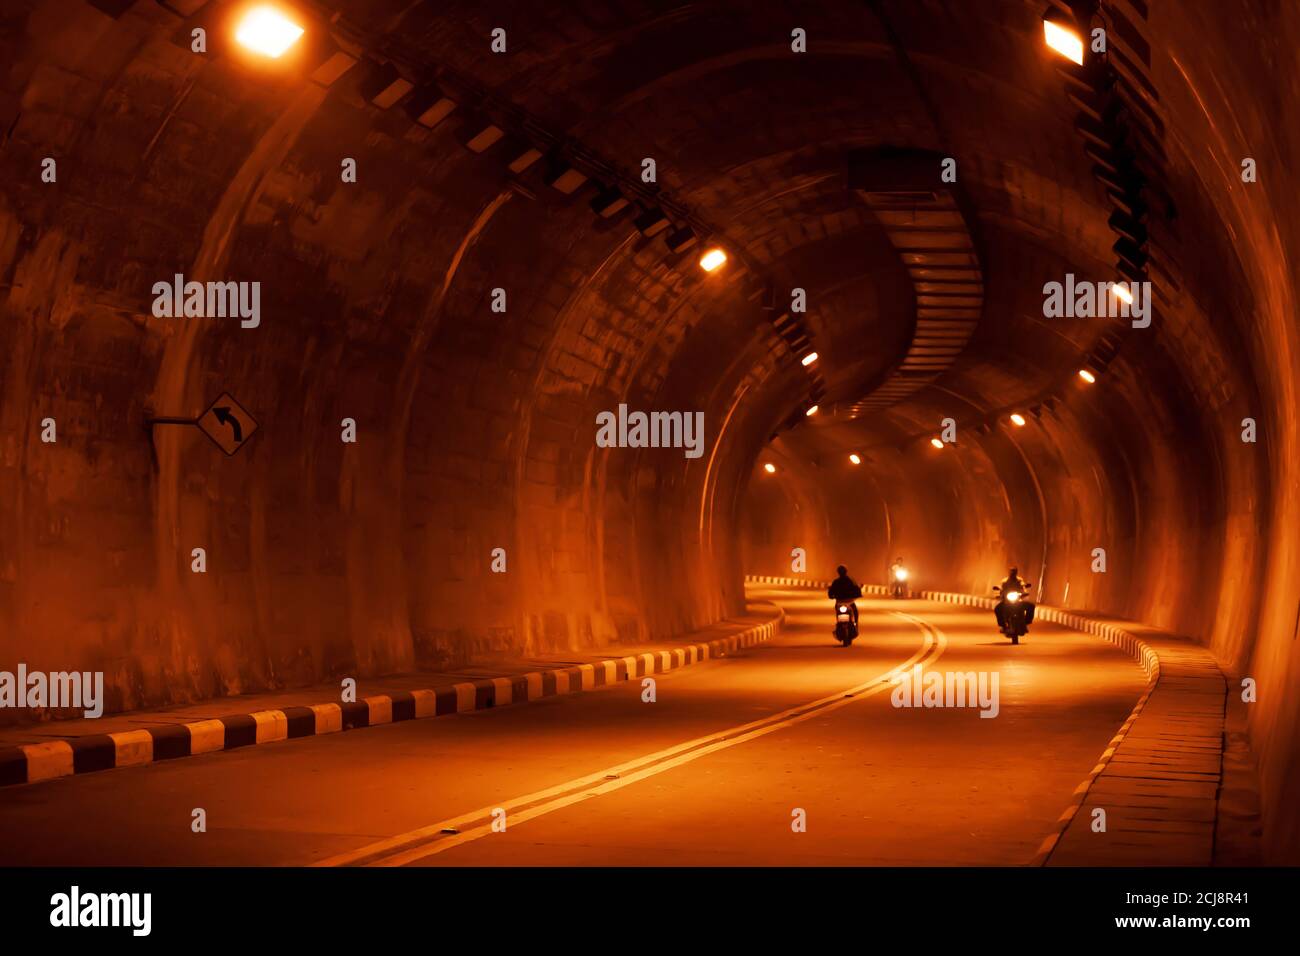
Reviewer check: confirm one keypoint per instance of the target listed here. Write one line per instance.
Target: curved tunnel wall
(475, 428)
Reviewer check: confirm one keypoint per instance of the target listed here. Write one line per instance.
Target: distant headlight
(1013, 596)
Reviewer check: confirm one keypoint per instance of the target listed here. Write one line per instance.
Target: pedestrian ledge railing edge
(32, 763)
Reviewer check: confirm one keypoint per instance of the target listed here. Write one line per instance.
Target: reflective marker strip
(132, 748)
(34, 762)
(503, 691)
(272, 725)
(48, 760)
(535, 689)
(426, 703)
(329, 718)
(466, 695)
(206, 736)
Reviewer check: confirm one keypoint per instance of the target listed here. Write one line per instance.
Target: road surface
(791, 753)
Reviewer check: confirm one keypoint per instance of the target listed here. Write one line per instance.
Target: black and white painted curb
(1139, 649)
(30, 763)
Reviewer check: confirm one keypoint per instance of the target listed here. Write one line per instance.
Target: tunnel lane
(711, 772)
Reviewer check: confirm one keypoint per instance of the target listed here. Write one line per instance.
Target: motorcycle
(1015, 616)
(846, 625)
(898, 586)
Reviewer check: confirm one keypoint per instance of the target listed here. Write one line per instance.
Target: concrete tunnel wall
(475, 429)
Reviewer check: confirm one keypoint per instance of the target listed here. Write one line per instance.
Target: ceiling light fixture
(1017, 419)
(1087, 376)
(1062, 35)
(812, 410)
(267, 31)
(808, 359)
(712, 259)
(855, 459)
(936, 443)
(770, 468)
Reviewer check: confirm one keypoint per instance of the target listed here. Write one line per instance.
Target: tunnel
(400, 337)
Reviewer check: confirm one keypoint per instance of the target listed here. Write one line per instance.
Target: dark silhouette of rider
(844, 588)
(1013, 582)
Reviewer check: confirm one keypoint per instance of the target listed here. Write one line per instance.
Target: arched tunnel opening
(436, 357)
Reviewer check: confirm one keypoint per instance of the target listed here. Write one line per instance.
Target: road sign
(227, 423)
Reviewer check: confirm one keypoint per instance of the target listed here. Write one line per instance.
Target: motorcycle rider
(895, 581)
(845, 589)
(1013, 582)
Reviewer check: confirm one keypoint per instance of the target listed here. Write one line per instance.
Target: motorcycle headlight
(844, 608)
(1013, 596)
(901, 574)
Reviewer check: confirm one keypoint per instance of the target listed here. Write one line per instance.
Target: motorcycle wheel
(1015, 638)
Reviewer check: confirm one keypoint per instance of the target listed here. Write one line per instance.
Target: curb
(32, 763)
(1138, 648)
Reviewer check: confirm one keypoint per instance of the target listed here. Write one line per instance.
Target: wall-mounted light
(855, 459)
(770, 468)
(712, 259)
(1062, 35)
(808, 359)
(267, 31)
(1087, 376)
(811, 410)
(1018, 420)
(936, 443)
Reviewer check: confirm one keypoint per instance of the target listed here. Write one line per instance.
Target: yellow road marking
(411, 846)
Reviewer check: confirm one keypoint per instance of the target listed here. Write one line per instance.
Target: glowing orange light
(1087, 376)
(770, 468)
(809, 358)
(1018, 420)
(855, 459)
(812, 410)
(712, 259)
(936, 443)
(1122, 292)
(267, 31)
(1064, 41)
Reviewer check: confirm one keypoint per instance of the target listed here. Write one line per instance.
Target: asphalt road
(718, 770)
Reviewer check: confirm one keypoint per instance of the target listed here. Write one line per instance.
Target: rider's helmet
(841, 570)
